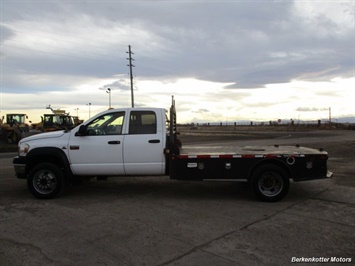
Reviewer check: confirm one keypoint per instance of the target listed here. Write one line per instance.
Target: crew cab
(144, 141)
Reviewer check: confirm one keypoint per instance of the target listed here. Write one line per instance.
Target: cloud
(239, 46)
(121, 84)
(200, 111)
(311, 109)
(236, 42)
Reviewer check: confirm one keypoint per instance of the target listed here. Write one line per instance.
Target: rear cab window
(142, 122)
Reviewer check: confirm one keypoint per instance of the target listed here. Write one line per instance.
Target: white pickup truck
(143, 141)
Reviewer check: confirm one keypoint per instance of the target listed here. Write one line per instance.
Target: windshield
(67, 120)
(15, 118)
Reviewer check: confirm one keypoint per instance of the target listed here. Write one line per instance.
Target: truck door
(99, 150)
(143, 148)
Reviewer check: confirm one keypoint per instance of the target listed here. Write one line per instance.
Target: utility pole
(109, 98)
(130, 59)
(89, 104)
(77, 111)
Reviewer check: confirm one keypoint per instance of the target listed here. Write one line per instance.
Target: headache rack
(174, 144)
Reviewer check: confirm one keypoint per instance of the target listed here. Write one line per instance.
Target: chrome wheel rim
(270, 184)
(45, 182)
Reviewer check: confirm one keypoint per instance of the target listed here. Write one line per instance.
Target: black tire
(11, 138)
(46, 181)
(270, 183)
(16, 137)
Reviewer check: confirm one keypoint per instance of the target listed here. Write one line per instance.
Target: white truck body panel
(144, 153)
(120, 154)
(93, 155)
(142, 157)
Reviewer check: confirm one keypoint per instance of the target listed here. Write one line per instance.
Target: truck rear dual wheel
(46, 181)
(270, 183)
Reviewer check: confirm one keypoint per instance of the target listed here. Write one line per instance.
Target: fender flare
(277, 162)
(48, 154)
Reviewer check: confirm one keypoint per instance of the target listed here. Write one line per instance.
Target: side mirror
(82, 131)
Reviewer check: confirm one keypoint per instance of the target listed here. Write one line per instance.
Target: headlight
(23, 149)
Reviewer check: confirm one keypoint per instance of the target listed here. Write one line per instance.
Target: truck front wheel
(270, 183)
(45, 181)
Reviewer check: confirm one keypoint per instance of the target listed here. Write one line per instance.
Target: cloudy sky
(223, 60)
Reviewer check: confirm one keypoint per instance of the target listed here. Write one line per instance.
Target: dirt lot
(157, 221)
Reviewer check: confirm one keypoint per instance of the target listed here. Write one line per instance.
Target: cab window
(107, 124)
(142, 122)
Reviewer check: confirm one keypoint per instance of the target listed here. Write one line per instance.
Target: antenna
(130, 59)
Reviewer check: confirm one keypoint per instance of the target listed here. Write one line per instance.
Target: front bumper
(19, 164)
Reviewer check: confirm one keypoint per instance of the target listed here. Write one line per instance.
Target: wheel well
(49, 155)
(278, 163)
(35, 160)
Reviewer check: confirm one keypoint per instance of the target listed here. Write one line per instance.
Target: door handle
(114, 142)
(154, 141)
